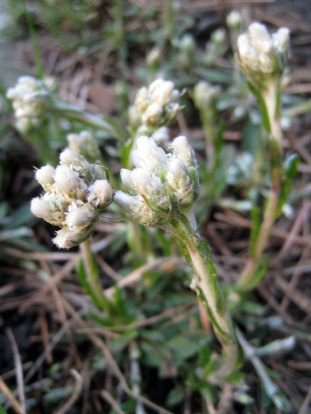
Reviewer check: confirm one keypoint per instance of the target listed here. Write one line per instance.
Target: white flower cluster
(84, 143)
(205, 95)
(259, 52)
(29, 97)
(162, 185)
(75, 193)
(158, 105)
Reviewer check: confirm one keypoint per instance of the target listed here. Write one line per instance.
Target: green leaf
(125, 153)
(290, 169)
(176, 395)
(2, 410)
(258, 275)
(255, 229)
(83, 279)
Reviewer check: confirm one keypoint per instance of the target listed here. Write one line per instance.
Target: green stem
(208, 118)
(196, 252)
(271, 97)
(92, 273)
(168, 18)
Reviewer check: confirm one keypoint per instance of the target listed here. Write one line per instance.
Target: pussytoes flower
(158, 105)
(261, 54)
(76, 192)
(29, 96)
(162, 186)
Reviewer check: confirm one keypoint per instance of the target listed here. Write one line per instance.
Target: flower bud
(205, 95)
(78, 218)
(153, 59)
(218, 36)
(66, 239)
(161, 137)
(161, 91)
(148, 155)
(134, 206)
(100, 194)
(84, 143)
(158, 105)
(40, 208)
(234, 19)
(48, 208)
(182, 149)
(99, 172)
(260, 53)
(127, 180)
(141, 100)
(75, 160)
(44, 175)
(29, 97)
(68, 183)
(152, 115)
(150, 188)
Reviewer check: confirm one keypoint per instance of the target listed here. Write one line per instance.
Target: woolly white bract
(75, 193)
(162, 186)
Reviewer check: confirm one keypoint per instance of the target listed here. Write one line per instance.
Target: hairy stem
(271, 97)
(91, 273)
(208, 118)
(196, 252)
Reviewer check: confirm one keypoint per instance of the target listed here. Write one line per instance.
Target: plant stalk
(271, 97)
(196, 252)
(208, 118)
(91, 273)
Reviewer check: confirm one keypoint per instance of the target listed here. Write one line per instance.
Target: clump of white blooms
(84, 143)
(162, 186)
(75, 193)
(258, 52)
(29, 97)
(158, 105)
(234, 19)
(205, 94)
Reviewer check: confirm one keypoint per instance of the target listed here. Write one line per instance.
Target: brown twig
(75, 395)
(10, 397)
(18, 371)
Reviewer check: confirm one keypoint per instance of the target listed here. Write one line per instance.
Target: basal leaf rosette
(76, 192)
(162, 185)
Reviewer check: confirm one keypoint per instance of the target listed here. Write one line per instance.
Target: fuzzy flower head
(205, 95)
(158, 105)
(234, 19)
(162, 186)
(84, 143)
(261, 55)
(76, 191)
(30, 96)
